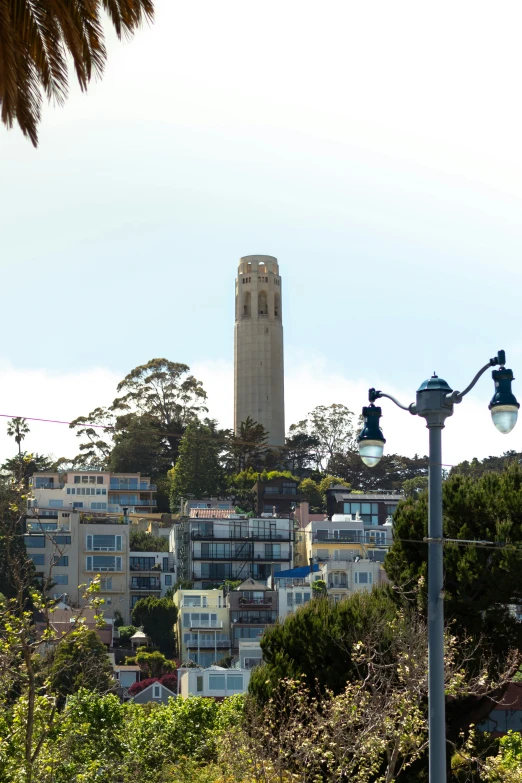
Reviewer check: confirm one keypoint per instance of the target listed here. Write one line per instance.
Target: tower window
(247, 309)
(262, 302)
(277, 305)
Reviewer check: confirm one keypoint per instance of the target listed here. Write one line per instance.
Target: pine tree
(197, 472)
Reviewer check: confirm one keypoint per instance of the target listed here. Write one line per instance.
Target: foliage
(331, 429)
(80, 661)
(300, 451)
(37, 40)
(139, 447)
(159, 400)
(390, 474)
(197, 472)
(17, 428)
(240, 488)
(140, 541)
(506, 767)
(154, 664)
(480, 582)
(319, 587)
(309, 489)
(157, 617)
(245, 451)
(170, 681)
(477, 468)
(126, 632)
(22, 466)
(13, 499)
(414, 486)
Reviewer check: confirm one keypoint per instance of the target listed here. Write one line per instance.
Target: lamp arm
(376, 395)
(457, 396)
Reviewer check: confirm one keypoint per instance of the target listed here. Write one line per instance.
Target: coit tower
(258, 347)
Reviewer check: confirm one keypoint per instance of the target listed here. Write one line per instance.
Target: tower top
(261, 264)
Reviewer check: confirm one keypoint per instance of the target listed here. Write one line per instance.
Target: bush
(126, 631)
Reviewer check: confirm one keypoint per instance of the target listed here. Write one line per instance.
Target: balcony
(48, 486)
(155, 567)
(208, 624)
(151, 586)
(195, 642)
(255, 602)
(248, 536)
(351, 537)
(260, 620)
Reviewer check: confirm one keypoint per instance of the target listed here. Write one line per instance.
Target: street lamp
(434, 402)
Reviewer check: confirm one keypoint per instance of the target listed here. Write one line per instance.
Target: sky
(374, 149)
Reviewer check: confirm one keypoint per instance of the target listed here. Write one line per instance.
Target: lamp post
(435, 402)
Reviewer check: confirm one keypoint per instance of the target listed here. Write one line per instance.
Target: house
(156, 692)
(252, 607)
(250, 654)
(62, 620)
(276, 496)
(151, 574)
(125, 675)
(203, 628)
(507, 714)
(214, 682)
(374, 508)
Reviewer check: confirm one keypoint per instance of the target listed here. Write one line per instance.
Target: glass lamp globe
(371, 452)
(504, 417)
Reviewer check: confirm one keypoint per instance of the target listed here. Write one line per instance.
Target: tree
(299, 451)
(157, 617)
(240, 488)
(36, 39)
(126, 633)
(139, 447)
(17, 428)
(390, 474)
(197, 472)
(81, 661)
(245, 451)
(160, 398)
(140, 541)
(309, 489)
(22, 466)
(481, 581)
(332, 429)
(476, 468)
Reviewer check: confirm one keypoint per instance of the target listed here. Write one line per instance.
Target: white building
(214, 682)
(91, 490)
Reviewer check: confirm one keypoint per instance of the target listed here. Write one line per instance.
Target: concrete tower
(258, 347)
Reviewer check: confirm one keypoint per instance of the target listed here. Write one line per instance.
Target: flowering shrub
(170, 681)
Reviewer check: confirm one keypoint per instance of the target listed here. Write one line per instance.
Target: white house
(214, 682)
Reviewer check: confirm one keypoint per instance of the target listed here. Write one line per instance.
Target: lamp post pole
(434, 402)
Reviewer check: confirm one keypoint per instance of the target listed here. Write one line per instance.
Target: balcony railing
(255, 602)
(193, 642)
(48, 486)
(248, 536)
(153, 586)
(244, 556)
(207, 624)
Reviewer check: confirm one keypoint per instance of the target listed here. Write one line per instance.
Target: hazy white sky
(373, 148)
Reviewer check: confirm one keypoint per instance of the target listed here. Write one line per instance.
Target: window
(99, 506)
(55, 503)
(298, 598)
(85, 479)
(142, 563)
(168, 580)
(322, 535)
(306, 597)
(216, 682)
(156, 691)
(100, 563)
(262, 303)
(77, 505)
(61, 540)
(199, 684)
(363, 578)
(99, 479)
(191, 600)
(71, 491)
(36, 542)
(235, 682)
(38, 559)
(272, 551)
(62, 560)
(106, 583)
(165, 561)
(290, 600)
(104, 543)
(60, 579)
(77, 479)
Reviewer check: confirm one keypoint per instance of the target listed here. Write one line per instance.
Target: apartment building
(345, 577)
(344, 537)
(203, 627)
(252, 607)
(70, 548)
(91, 490)
(151, 574)
(214, 682)
(214, 545)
